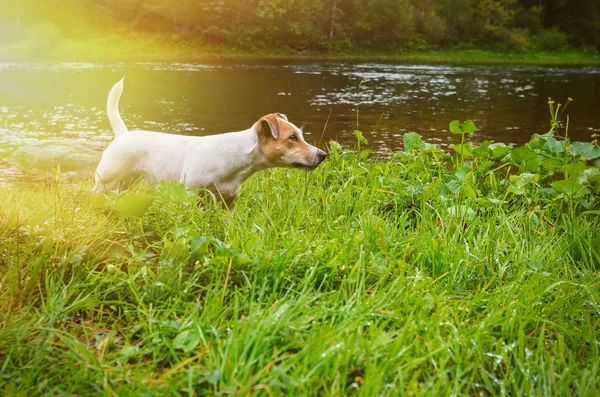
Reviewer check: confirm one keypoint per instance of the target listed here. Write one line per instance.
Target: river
(49, 105)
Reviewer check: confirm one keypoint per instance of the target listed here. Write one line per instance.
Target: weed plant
(427, 273)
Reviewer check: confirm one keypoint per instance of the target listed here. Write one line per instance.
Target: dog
(218, 163)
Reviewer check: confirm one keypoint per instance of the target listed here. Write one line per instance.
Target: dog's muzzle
(320, 157)
(317, 158)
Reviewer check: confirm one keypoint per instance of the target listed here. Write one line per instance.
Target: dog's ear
(268, 125)
(282, 116)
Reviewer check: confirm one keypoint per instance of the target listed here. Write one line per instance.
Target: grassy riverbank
(423, 273)
(149, 48)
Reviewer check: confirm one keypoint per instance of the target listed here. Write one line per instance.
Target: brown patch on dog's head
(283, 144)
(268, 125)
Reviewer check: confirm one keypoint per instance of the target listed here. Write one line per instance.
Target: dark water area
(42, 103)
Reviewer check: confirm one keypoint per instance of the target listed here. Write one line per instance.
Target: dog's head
(283, 144)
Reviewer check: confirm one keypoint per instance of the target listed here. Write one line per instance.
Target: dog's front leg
(229, 202)
(224, 200)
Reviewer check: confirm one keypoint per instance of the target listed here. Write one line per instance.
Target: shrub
(215, 35)
(518, 40)
(551, 40)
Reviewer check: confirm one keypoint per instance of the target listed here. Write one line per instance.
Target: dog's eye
(293, 138)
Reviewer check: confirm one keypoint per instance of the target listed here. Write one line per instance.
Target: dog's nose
(320, 156)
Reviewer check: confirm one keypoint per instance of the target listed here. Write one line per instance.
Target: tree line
(330, 24)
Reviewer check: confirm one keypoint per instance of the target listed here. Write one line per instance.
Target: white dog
(219, 163)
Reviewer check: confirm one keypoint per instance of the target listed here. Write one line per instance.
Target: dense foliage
(466, 273)
(320, 24)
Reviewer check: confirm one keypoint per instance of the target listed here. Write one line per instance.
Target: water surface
(42, 103)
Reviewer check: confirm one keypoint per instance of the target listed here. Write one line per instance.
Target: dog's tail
(112, 108)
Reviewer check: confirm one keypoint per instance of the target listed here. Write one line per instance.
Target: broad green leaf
(226, 251)
(555, 147)
(522, 153)
(464, 149)
(499, 150)
(585, 204)
(469, 127)
(334, 149)
(454, 185)
(485, 166)
(99, 201)
(456, 127)
(360, 137)
(531, 165)
(525, 158)
(198, 247)
(573, 170)
(569, 188)
(335, 146)
(462, 172)
(412, 140)
(364, 154)
(552, 165)
(591, 177)
(133, 205)
(174, 192)
(548, 191)
(468, 190)
(538, 142)
(530, 177)
(129, 351)
(483, 150)
(585, 149)
(176, 249)
(184, 231)
(518, 188)
(186, 341)
(519, 183)
(401, 156)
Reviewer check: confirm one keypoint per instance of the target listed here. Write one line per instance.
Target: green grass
(366, 276)
(113, 48)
